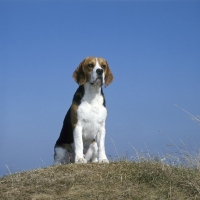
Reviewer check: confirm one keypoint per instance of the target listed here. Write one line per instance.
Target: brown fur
(79, 74)
(74, 118)
(109, 76)
(82, 74)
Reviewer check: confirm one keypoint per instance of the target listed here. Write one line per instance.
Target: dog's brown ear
(79, 74)
(108, 76)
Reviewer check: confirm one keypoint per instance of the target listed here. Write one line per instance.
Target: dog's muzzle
(98, 78)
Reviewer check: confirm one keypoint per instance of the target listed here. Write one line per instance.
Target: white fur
(60, 156)
(93, 77)
(91, 120)
(91, 116)
(92, 152)
(91, 123)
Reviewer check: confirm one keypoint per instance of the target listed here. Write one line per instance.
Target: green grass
(117, 180)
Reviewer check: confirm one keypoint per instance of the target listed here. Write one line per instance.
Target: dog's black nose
(99, 72)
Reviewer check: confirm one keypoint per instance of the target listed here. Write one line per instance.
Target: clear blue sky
(152, 47)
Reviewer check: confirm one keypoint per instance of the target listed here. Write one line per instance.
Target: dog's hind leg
(60, 156)
(92, 152)
(63, 154)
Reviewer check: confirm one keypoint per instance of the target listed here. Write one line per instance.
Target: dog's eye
(103, 66)
(90, 65)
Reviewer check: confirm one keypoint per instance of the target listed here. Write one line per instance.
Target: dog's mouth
(98, 81)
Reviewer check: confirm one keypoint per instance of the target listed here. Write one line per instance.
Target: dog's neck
(92, 89)
(92, 93)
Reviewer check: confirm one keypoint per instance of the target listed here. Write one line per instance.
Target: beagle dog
(83, 132)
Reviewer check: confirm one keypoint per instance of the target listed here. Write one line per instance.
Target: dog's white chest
(91, 116)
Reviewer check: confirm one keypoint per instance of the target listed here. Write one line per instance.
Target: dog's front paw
(80, 161)
(94, 160)
(103, 161)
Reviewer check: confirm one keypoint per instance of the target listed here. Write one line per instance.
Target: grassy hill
(117, 180)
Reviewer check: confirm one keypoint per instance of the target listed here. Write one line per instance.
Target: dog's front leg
(101, 146)
(78, 145)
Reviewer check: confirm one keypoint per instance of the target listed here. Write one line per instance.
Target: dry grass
(117, 180)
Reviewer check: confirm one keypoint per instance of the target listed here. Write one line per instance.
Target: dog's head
(94, 71)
